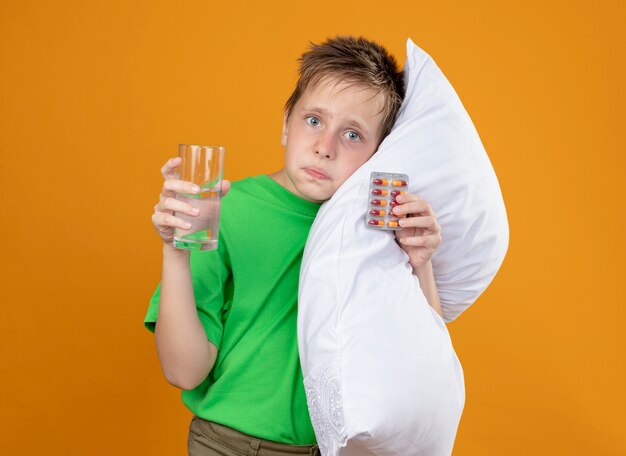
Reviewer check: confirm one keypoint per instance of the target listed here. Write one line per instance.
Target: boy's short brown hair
(357, 60)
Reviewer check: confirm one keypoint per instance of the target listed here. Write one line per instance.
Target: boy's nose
(325, 146)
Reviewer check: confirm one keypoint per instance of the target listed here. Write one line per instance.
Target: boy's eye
(312, 120)
(353, 136)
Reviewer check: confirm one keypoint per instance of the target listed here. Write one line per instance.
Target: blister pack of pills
(383, 189)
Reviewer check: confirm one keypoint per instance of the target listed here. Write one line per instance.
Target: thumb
(225, 187)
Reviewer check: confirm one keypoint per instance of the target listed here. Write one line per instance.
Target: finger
(411, 204)
(168, 169)
(157, 221)
(421, 221)
(430, 242)
(178, 186)
(408, 197)
(163, 221)
(172, 204)
(159, 207)
(413, 207)
(225, 187)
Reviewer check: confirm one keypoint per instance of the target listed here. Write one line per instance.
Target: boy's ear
(283, 137)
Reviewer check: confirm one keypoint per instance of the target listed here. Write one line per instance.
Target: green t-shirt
(246, 294)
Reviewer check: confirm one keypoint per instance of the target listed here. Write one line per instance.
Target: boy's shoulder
(249, 183)
(249, 187)
(262, 191)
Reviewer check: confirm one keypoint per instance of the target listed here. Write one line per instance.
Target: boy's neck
(282, 179)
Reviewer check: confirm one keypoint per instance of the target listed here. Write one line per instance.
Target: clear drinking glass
(204, 166)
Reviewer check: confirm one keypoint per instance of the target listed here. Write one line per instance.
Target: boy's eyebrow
(316, 109)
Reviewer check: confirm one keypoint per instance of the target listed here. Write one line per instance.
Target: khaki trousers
(211, 439)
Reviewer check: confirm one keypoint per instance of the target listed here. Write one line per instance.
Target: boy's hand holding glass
(171, 214)
(420, 234)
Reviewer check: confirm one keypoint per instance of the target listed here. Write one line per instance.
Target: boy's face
(331, 131)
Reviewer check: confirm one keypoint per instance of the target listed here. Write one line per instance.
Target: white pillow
(379, 368)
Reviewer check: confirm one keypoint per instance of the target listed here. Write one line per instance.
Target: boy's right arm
(185, 353)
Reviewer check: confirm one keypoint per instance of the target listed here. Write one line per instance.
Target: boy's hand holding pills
(420, 234)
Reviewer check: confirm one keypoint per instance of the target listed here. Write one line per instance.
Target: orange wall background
(95, 96)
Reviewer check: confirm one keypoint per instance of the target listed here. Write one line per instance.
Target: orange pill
(395, 193)
(379, 181)
(398, 183)
(392, 223)
(377, 223)
(377, 202)
(379, 191)
(378, 212)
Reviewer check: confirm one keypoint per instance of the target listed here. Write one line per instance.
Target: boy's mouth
(316, 172)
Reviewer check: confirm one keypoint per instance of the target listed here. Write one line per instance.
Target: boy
(226, 331)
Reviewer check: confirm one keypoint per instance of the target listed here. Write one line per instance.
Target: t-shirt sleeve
(210, 274)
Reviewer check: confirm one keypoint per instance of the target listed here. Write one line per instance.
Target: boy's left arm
(419, 237)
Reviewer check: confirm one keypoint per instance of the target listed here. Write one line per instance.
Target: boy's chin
(315, 194)
(313, 190)
(315, 198)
